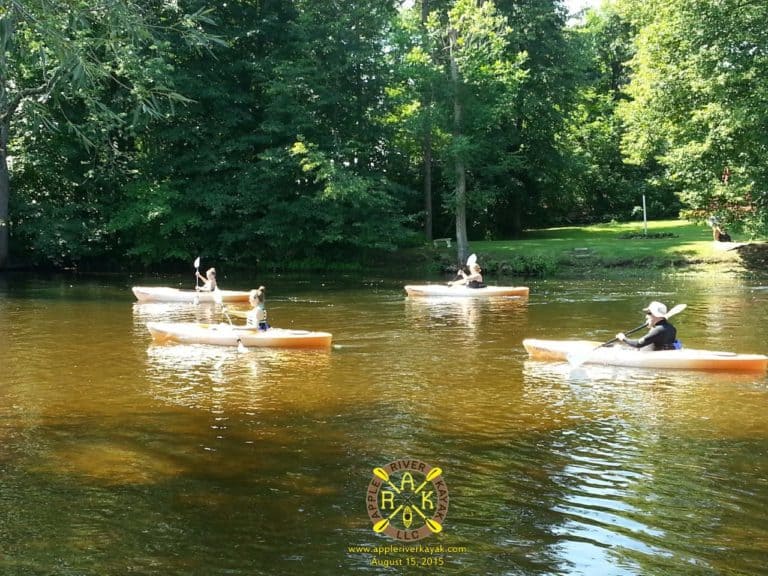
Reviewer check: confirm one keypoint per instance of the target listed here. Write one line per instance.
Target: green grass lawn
(582, 249)
(605, 242)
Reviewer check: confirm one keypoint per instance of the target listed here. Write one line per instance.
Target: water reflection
(198, 459)
(700, 403)
(470, 314)
(205, 312)
(221, 378)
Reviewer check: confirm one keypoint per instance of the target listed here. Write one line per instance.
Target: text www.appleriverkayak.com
(413, 549)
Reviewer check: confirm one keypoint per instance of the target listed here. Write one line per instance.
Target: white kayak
(464, 291)
(583, 351)
(166, 294)
(229, 335)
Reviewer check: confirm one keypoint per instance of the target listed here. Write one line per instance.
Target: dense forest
(314, 131)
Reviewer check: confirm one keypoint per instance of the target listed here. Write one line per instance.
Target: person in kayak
(209, 281)
(662, 335)
(472, 280)
(258, 315)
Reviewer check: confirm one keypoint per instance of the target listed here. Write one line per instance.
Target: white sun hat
(656, 309)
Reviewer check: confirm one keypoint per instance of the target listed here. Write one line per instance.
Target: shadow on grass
(754, 257)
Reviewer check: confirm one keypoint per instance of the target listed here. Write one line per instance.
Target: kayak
(587, 352)
(165, 294)
(464, 291)
(232, 335)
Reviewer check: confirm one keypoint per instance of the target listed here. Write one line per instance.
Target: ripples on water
(202, 460)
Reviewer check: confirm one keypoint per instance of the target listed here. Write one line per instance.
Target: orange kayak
(464, 291)
(229, 335)
(685, 359)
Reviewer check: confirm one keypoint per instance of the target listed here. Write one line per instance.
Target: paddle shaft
(612, 340)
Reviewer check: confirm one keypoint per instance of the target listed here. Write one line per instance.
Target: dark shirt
(662, 336)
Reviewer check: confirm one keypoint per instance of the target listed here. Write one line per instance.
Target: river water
(118, 456)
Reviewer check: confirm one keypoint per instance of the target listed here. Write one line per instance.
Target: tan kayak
(463, 291)
(587, 352)
(166, 294)
(229, 335)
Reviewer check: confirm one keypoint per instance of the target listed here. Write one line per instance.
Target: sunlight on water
(194, 459)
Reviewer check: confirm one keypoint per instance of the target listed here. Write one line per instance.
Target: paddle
(196, 264)
(218, 299)
(577, 359)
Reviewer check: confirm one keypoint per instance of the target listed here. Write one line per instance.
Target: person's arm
(654, 335)
(463, 280)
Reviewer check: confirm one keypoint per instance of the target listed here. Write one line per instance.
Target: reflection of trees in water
(704, 403)
(604, 472)
(722, 314)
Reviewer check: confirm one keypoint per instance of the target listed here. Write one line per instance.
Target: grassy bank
(615, 248)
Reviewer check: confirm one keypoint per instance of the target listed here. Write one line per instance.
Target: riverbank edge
(744, 260)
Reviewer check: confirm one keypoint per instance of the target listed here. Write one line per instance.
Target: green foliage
(299, 136)
(532, 265)
(602, 187)
(91, 71)
(697, 106)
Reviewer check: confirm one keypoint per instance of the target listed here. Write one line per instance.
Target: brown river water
(118, 456)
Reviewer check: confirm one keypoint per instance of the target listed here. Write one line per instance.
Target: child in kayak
(472, 280)
(258, 315)
(662, 335)
(209, 280)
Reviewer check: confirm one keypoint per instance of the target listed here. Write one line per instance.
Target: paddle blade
(197, 262)
(434, 473)
(676, 310)
(381, 525)
(472, 259)
(434, 526)
(381, 473)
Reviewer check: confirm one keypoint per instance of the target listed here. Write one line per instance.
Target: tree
(328, 146)
(698, 103)
(83, 66)
(602, 186)
(467, 44)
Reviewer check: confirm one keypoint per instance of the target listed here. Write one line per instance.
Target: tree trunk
(427, 147)
(5, 187)
(427, 152)
(461, 176)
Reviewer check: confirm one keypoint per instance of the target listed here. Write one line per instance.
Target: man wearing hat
(662, 335)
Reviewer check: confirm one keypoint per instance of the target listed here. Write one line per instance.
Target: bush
(528, 265)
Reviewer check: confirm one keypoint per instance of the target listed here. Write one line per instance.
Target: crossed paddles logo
(407, 500)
